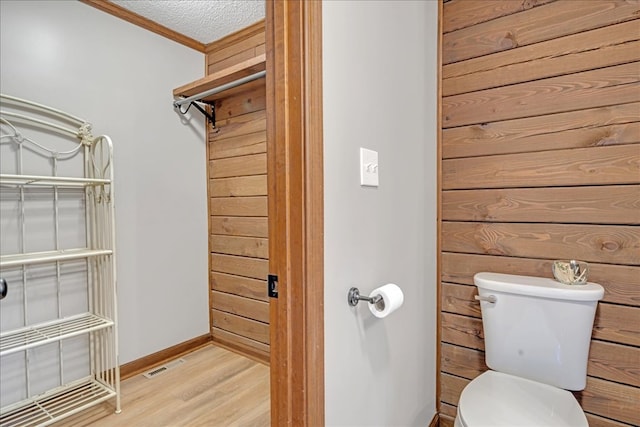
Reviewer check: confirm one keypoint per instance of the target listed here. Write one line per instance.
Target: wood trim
(137, 366)
(236, 37)
(434, 421)
(222, 77)
(147, 24)
(209, 209)
(294, 98)
(238, 348)
(439, 140)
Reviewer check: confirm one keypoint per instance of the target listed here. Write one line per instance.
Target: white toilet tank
(538, 328)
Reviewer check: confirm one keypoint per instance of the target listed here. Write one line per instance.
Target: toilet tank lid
(538, 287)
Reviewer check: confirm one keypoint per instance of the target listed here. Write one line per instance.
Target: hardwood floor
(215, 387)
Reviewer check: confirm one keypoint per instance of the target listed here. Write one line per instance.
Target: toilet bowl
(537, 335)
(495, 399)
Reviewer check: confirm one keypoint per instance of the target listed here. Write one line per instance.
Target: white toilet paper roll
(392, 299)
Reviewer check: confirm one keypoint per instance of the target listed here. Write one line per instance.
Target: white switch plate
(368, 168)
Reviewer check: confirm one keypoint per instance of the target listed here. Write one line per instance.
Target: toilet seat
(496, 399)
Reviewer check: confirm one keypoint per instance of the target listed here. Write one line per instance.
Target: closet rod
(230, 85)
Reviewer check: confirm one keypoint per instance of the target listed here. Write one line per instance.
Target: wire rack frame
(99, 323)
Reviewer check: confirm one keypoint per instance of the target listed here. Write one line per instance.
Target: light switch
(368, 168)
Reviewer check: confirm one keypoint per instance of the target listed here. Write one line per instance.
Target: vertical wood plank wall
(541, 161)
(237, 176)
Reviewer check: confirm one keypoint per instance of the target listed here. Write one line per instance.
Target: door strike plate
(272, 283)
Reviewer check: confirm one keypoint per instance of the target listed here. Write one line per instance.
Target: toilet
(537, 334)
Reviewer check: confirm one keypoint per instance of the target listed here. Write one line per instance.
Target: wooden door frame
(296, 219)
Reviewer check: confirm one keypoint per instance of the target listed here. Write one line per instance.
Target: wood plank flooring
(215, 387)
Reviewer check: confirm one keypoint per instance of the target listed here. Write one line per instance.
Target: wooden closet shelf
(222, 77)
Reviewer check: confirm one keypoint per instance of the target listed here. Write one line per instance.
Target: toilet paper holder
(354, 297)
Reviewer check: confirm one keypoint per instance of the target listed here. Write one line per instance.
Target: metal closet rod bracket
(211, 117)
(353, 297)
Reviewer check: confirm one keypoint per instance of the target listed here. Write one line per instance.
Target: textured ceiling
(202, 20)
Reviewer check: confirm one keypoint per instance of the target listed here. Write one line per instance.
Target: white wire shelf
(56, 404)
(13, 260)
(48, 332)
(49, 181)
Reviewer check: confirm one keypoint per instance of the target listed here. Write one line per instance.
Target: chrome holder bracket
(354, 297)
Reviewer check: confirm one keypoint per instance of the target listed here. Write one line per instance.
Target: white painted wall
(380, 83)
(120, 77)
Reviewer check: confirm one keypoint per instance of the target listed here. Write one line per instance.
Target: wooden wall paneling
(241, 306)
(242, 326)
(253, 164)
(238, 206)
(248, 101)
(462, 330)
(235, 48)
(255, 185)
(239, 126)
(464, 13)
(448, 410)
(254, 247)
(235, 38)
(446, 420)
(602, 47)
(460, 299)
(237, 193)
(608, 398)
(596, 421)
(620, 281)
(535, 25)
(239, 226)
(586, 205)
(618, 164)
(615, 362)
(540, 161)
(451, 388)
(238, 285)
(588, 89)
(251, 348)
(255, 268)
(235, 59)
(617, 323)
(627, 133)
(563, 46)
(549, 66)
(253, 143)
(248, 43)
(461, 361)
(575, 129)
(597, 243)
